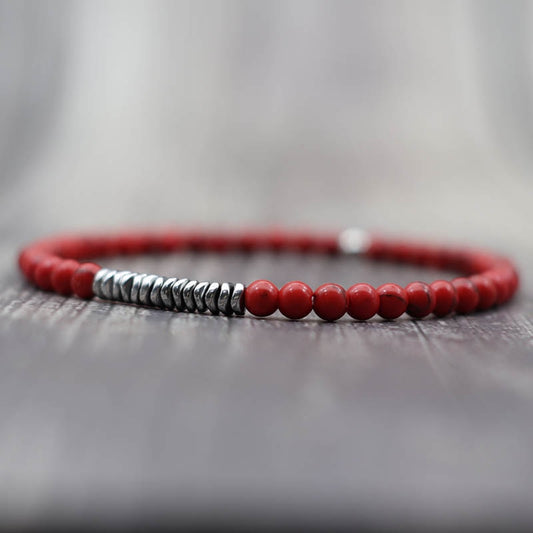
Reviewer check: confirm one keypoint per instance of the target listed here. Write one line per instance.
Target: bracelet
(58, 264)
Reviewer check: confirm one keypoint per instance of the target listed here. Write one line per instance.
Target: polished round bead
(261, 297)
(362, 301)
(503, 290)
(392, 301)
(82, 280)
(295, 299)
(29, 260)
(61, 277)
(467, 295)
(329, 301)
(487, 291)
(445, 297)
(421, 299)
(43, 272)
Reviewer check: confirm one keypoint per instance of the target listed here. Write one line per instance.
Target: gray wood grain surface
(379, 114)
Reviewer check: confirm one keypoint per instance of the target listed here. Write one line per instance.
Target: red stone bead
(43, 272)
(503, 288)
(261, 297)
(445, 297)
(362, 301)
(330, 301)
(467, 295)
(29, 259)
(82, 280)
(62, 276)
(486, 289)
(421, 299)
(295, 299)
(392, 301)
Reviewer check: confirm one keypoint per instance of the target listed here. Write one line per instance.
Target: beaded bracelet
(488, 280)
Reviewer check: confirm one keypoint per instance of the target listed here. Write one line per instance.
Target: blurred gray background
(411, 117)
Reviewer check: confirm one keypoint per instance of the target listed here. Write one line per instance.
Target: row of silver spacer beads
(169, 293)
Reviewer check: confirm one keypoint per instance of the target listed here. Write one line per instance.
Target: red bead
(421, 299)
(330, 301)
(445, 297)
(486, 289)
(295, 299)
(467, 295)
(62, 276)
(43, 272)
(82, 280)
(29, 259)
(503, 288)
(362, 301)
(392, 301)
(261, 297)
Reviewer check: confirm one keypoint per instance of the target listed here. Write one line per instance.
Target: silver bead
(107, 285)
(177, 293)
(125, 284)
(353, 241)
(166, 293)
(237, 299)
(155, 293)
(115, 289)
(224, 298)
(146, 288)
(136, 287)
(188, 296)
(211, 297)
(199, 296)
(97, 281)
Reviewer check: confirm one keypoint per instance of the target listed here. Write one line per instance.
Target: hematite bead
(224, 298)
(166, 293)
(188, 296)
(146, 288)
(199, 295)
(211, 297)
(155, 293)
(237, 299)
(177, 293)
(117, 278)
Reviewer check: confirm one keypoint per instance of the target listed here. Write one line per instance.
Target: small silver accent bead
(237, 299)
(177, 293)
(353, 241)
(155, 293)
(166, 293)
(188, 297)
(125, 284)
(146, 288)
(107, 285)
(97, 281)
(115, 289)
(199, 296)
(211, 297)
(136, 287)
(224, 298)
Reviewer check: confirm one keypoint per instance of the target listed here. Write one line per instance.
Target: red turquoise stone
(295, 300)
(421, 299)
(261, 298)
(445, 297)
(392, 301)
(330, 301)
(362, 301)
(467, 295)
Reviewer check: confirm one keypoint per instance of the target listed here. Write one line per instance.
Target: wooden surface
(372, 114)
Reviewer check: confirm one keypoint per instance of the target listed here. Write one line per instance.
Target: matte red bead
(29, 259)
(329, 301)
(362, 301)
(261, 297)
(295, 299)
(467, 295)
(486, 289)
(503, 288)
(82, 280)
(421, 299)
(43, 272)
(392, 301)
(62, 276)
(445, 297)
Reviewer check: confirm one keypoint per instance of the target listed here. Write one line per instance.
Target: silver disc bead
(146, 288)
(211, 297)
(155, 293)
(166, 293)
(177, 293)
(97, 282)
(188, 295)
(237, 299)
(136, 287)
(125, 285)
(224, 298)
(115, 289)
(107, 285)
(199, 296)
